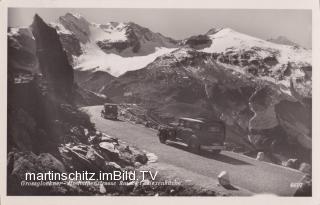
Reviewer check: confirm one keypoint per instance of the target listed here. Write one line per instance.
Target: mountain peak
(75, 15)
(227, 29)
(213, 31)
(115, 24)
(53, 60)
(37, 20)
(76, 24)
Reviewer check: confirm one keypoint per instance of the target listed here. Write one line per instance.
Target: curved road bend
(245, 172)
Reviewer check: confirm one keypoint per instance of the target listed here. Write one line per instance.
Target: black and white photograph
(159, 102)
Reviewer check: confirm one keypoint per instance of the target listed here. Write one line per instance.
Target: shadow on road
(219, 157)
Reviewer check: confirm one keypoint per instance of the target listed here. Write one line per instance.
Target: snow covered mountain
(117, 47)
(114, 47)
(230, 41)
(263, 59)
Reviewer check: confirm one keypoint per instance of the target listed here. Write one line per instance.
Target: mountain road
(245, 172)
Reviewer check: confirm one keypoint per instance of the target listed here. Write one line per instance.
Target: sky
(296, 25)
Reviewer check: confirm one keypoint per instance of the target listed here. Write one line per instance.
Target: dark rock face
(71, 45)
(119, 46)
(198, 42)
(140, 41)
(131, 43)
(213, 31)
(69, 41)
(21, 52)
(250, 62)
(53, 60)
(93, 80)
(23, 65)
(78, 26)
(37, 125)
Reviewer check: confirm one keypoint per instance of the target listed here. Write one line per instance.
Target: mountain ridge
(109, 43)
(283, 40)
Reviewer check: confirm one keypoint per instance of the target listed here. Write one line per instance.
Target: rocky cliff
(53, 61)
(25, 52)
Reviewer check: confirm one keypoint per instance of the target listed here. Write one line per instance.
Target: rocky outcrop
(71, 45)
(23, 64)
(24, 162)
(78, 25)
(101, 153)
(251, 62)
(198, 42)
(53, 60)
(21, 53)
(224, 179)
(264, 128)
(138, 40)
(40, 116)
(292, 163)
(20, 163)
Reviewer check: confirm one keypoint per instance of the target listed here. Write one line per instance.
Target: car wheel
(194, 145)
(216, 151)
(162, 138)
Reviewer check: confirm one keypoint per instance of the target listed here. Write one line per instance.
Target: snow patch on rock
(60, 28)
(109, 33)
(95, 58)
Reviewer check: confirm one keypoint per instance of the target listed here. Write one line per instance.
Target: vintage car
(110, 111)
(196, 133)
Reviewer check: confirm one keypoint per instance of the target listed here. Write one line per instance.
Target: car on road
(110, 111)
(197, 134)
